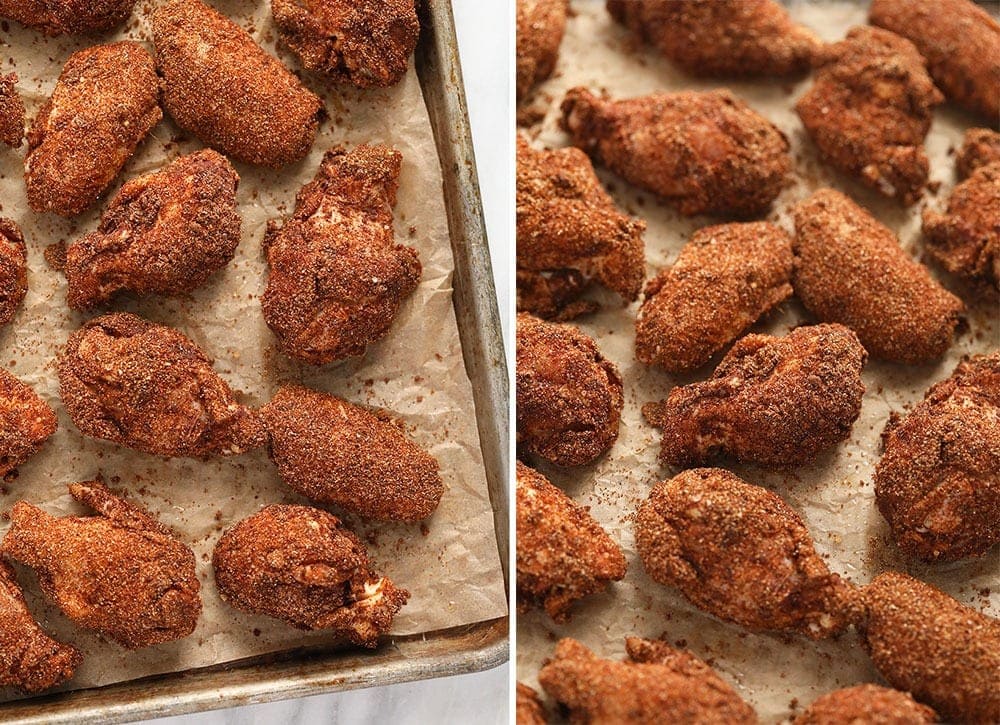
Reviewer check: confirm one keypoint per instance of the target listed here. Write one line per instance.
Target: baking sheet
(778, 674)
(449, 564)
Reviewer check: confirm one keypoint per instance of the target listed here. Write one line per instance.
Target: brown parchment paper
(777, 674)
(449, 564)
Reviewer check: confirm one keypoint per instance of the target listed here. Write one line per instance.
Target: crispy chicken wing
(870, 109)
(121, 573)
(79, 17)
(776, 401)
(13, 269)
(337, 453)
(540, 28)
(726, 278)
(706, 151)
(870, 704)
(302, 565)
(849, 268)
(570, 234)
(222, 87)
(26, 422)
(148, 387)
(529, 709)
(337, 278)
(11, 111)
(569, 396)
(980, 146)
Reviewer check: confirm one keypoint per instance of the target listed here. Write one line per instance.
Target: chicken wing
(776, 401)
(337, 279)
(570, 234)
(303, 566)
(540, 28)
(11, 111)
(121, 573)
(850, 269)
(26, 422)
(78, 17)
(980, 146)
(104, 104)
(148, 387)
(706, 151)
(726, 278)
(569, 397)
(529, 709)
(221, 86)
(166, 233)
(13, 269)
(337, 453)
(866, 704)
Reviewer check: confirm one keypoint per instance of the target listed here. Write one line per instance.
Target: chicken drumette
(980, 146)
(540, 28)
(79, 17)
(866, 704)
(26, 422)
(11, 112)
(13, 269)
(529, 708)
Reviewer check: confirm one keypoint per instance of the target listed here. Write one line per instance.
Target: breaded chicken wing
(938, 482)
(13, 269)
(850, 269)
(540, 28)
(945, 653)
(569, 396)
(563, 554)
(869, 704)
(726, 278)
(303, 566)
(706, 151)
(338, 453)
(11, 111)
(656, 684)
(166, 233)
(337, 278)
(79, 17)
(739, 552)
(529, 709)
(121, 573)
(870, 109)
(221, 86)
(980, 146)
(570, 234)
(730, 38)
(776, 401)
(26, 422)
(959, 39)
(366, 43)
(148, 387)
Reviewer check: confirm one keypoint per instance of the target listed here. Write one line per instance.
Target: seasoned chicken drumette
(366, 43)
(866, 704)
(540, 28)
(121, 573)
(728, 38)
(739, 552)
(870, 108)
(26, 422)
(726, 278)
(529, 709)
(980, 146)
(776, 401)
(148, 387)
(706, 151)
(656, 684)
(13, 269)
(11, 111)
(337, 453)
(301, 565)
(79, 17)
(570, 234)
(337, 278)
(569, 396)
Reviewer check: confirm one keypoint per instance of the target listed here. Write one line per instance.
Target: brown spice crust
(78, 17)
(26, 422)
(867, 703)
(540, 28)
(529, 709)
(980, 146)
(11, 111)
(13, 269)
(726, 278)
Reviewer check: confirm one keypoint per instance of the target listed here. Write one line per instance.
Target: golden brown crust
(104, 104)
(79, 17)
(869, 704)
(26, 422)
(336, 277)
(850, 269)
(303, 566)
(980, 146)
(706, 151)
(726, 278)
(222, 87)
(943, 652)
(11, 111)
(540, 28)
(165, 232)
(13, 269)
(529, 709)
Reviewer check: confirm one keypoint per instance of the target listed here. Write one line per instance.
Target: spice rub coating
(540, 28)
(226, 90)
(980, 146)
(776, 401)
(528, 707)
(11, 111)
(148, 387)
(104, 104)
(338, 453)
(726, 278)
(866, 704)
(13, 269)
(121, 573)
(706, 151)
(26, 422)
(78, 17)
(570, 235)
(303, 566)
(336, 276)
(850, 269)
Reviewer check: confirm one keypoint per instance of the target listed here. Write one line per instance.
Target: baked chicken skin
(707, 152)
(26, 422)
(303, 566)
(540, 28)
(148, 387)
(528, 707)
(13, 269)
(11, 112)
(980, 146)
(336, 276)
(121, 573)
(866, 704)
(77, 17)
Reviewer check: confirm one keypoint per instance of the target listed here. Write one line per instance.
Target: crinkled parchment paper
(775, 673)
(450, 565)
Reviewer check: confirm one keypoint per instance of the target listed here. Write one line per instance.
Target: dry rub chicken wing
(13, 269)
(980, 146)
(121, 573)
(540, 28)
(869, 704)
(26, 422)
(529, 709)
(11, 111)
(79, 17)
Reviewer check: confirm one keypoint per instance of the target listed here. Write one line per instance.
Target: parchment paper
(450, 564)
(777, 674)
